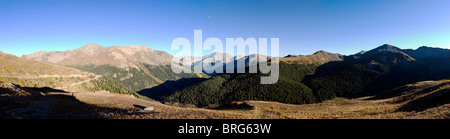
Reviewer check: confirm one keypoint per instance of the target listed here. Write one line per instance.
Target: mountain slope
(434, 59)
(48, 77)
(31, 73)
(11, 65)
(377, 70)
(128, 56)
(384, 47)
(320, 57)
(136, 67)
(316, 78)
(426, 52)
(364, 76)
(225, 59)
(225, 88)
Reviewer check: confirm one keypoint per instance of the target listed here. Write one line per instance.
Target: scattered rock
(149, 108)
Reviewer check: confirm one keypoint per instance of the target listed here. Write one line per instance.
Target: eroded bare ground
(428, 100)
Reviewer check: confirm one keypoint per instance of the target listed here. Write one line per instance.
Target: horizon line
(204, 54)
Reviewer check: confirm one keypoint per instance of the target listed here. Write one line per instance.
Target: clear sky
(303, 26)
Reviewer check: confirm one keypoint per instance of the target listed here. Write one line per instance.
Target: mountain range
(135, 66)
(116, 82)
(128, 56)
(315, 78)
(303, 79)
(46, 77)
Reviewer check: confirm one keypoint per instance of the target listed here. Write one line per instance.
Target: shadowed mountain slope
(318, 77)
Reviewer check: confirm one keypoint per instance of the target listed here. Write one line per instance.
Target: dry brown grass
(52, 82)
(11, 65)
(127, 102)
(424, 100)
(338, 108)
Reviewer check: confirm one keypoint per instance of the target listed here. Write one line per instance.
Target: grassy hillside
(33, 74)
(29, 73)
(110, 85)
(11, 65)
(52, 82)
(138, 79)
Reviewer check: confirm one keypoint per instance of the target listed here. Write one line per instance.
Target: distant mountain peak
(387, 47)
(138, 47)
(379, 49)
(430, 48)
(216, 54)
(91, 45)
(291, 55)
(40, 51)
(319, 57)
(424, 47)
(128, 56)
(89, 49)
(361, 52)
(320, 51)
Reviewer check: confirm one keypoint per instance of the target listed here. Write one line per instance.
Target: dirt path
(47, 76)
(60, 76)
(79, 83)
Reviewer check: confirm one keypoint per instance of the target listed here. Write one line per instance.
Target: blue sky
(303, 26)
